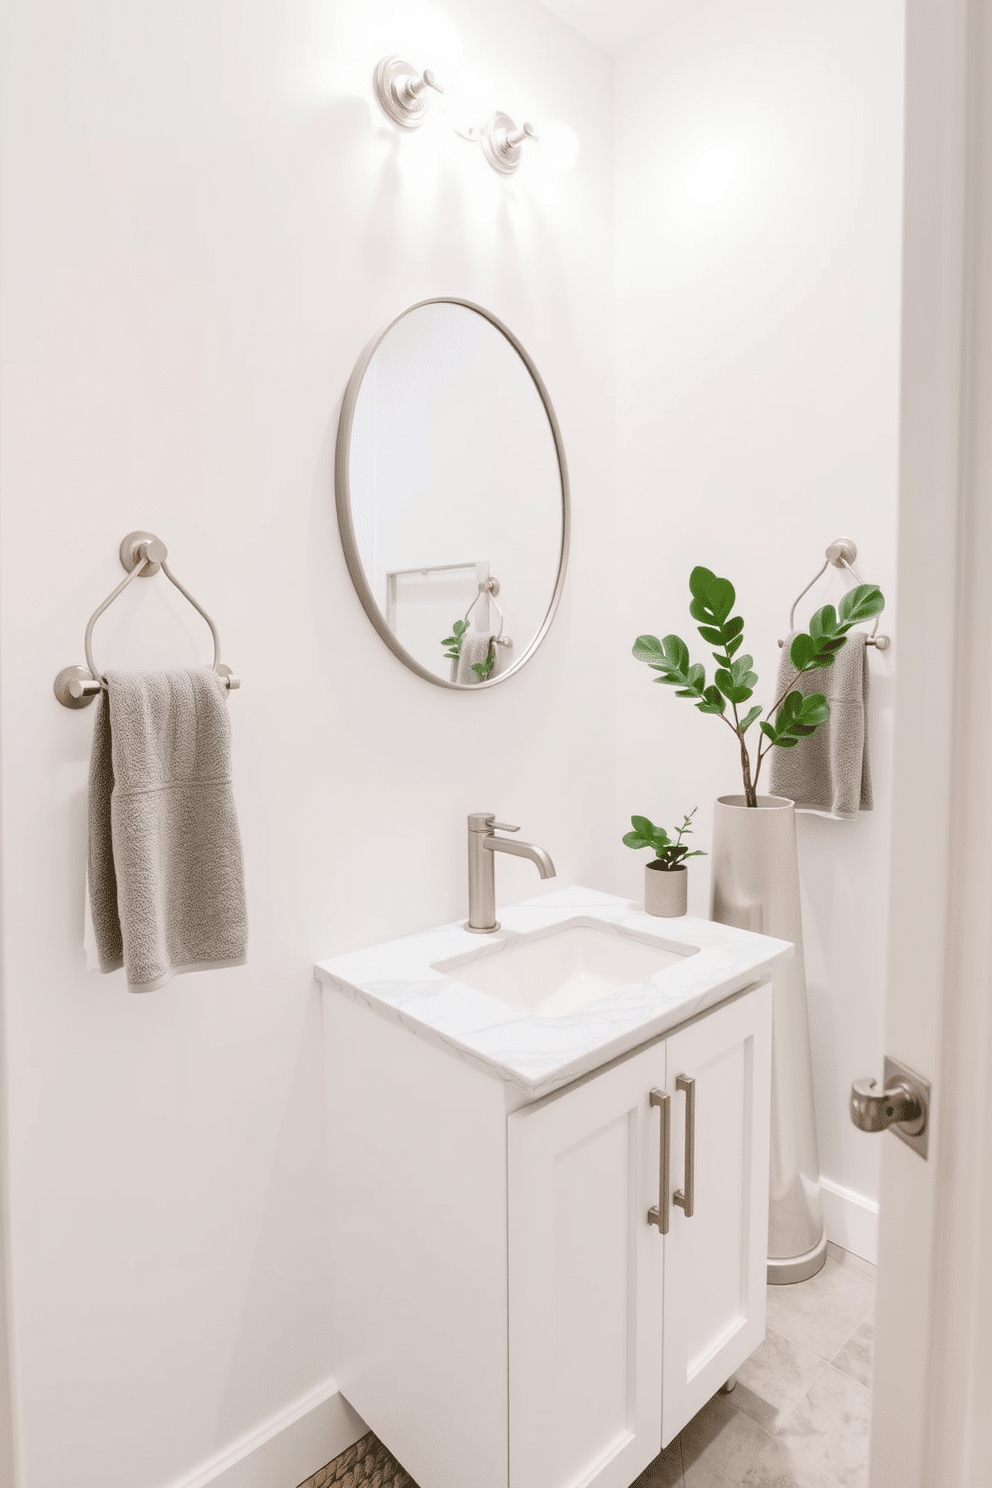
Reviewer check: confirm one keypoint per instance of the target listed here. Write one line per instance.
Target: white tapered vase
(755, 886)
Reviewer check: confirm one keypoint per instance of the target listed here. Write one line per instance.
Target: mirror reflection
(452, 494)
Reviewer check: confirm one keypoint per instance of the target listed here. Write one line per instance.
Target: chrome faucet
(482, 843)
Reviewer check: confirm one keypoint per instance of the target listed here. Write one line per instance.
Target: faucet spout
(482, 844)
(537, 855)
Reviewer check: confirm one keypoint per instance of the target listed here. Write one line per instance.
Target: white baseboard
(286, 1449)
(851, 1220)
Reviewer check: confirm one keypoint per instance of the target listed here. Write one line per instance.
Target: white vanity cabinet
(505, 1315)
(618, 1333)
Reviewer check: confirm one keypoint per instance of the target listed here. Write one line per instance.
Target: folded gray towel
(475, 648)
(165, 869)
(829, 772)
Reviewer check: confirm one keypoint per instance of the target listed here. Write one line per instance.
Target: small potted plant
(665, 877)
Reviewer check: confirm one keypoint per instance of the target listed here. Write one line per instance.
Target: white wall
(205, 219)
(759, 197)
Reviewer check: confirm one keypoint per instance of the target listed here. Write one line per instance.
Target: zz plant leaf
(454, 641)
(792, 717)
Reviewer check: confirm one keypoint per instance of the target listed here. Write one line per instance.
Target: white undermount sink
(555, 973)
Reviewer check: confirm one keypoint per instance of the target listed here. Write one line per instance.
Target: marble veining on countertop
(399, 979)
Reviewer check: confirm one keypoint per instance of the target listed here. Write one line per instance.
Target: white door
(585, 1281)
(933, 1374)
(715, 1259)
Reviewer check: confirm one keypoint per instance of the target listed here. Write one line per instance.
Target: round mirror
(452, 494)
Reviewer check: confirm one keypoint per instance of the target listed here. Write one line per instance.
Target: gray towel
(165, 870)
(829, 772)
(475, 648)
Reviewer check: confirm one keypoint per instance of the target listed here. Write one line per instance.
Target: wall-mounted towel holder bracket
(142, 554)
(841, 553)
(490, 587)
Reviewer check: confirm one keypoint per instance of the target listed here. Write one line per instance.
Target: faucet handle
(502, 827)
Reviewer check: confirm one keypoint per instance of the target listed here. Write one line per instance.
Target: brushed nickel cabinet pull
(659, 1214)
(685, 1198)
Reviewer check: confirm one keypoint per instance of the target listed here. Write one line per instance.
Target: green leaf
(734, 645)
(631, 839)
(713, 701)
(699, 582)
(797, 718)
(720, 597)
(711, 634)
(862, 602)
(647, 648)
(815, 709)
(823, 623)
(802, 651)
(749, 717)
(769, 730)
(642, 825)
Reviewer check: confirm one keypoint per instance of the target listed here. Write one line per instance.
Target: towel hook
(841, 553)
(490, 587)
(142, 554)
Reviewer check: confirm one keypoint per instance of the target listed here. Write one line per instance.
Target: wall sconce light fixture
(501, 141)
(401, 91)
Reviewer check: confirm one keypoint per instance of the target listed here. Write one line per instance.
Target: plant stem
(750, 795)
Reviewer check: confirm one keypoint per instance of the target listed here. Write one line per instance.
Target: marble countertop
(399, 980)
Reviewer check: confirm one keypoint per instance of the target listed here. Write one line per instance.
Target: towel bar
(142, 554)
(841, 553)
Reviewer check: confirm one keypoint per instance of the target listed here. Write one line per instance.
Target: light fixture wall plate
(401, 91)
(502, 141)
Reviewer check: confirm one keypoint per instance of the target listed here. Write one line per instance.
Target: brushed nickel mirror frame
(342, 493)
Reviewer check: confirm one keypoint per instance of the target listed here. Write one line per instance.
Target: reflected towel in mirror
(478, 647)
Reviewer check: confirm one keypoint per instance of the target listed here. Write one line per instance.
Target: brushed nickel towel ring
(841, 553)
(490, 587)
(142, 554)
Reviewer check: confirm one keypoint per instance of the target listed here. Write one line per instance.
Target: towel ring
(142, 554)
(841, 553)
(490, 587)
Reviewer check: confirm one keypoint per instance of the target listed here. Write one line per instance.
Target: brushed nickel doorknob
(902, 1104)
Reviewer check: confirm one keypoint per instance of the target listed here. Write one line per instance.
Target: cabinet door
(715, 1261)
(585, 1281)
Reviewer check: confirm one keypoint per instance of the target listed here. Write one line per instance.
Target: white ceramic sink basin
(502, 1002)
(555, 974)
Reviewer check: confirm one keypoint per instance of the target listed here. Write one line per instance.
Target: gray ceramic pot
(665, 890)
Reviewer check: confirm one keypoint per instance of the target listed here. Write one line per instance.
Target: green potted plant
(793, 715)
(755, 867)
(665, 877)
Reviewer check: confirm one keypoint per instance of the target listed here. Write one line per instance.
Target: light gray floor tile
(854, 1358)
(827, 1433)
(822, 1313)
(720, 1445)
(666, 1470)
(774, 1379)
(775, 1468)
(848, 1258)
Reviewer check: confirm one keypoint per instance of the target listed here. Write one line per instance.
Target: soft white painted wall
(204, 220)
(759, 199)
